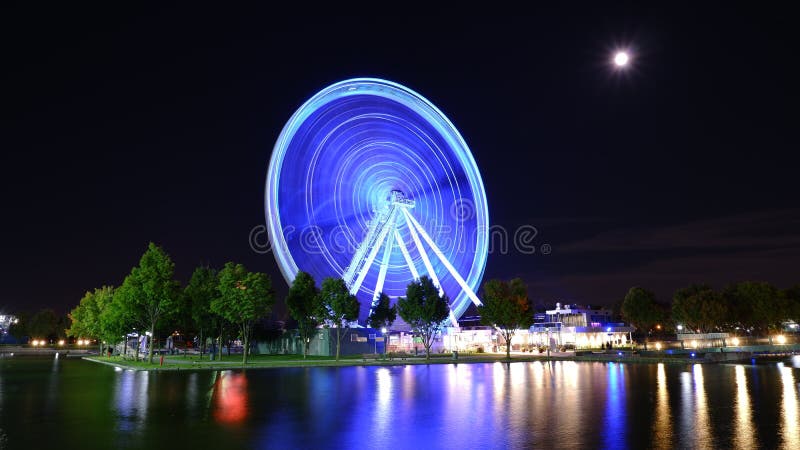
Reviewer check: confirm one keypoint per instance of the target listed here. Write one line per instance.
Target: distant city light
(658, 345)
(61, 342)
(680, 327)
(735, 342)
(694, 344)
(383, 330)
(781, 339)
(621, 59)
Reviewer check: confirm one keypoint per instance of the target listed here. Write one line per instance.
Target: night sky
(121, 127)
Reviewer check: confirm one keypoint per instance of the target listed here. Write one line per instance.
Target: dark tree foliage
(303, 304)
(424, 310)
(506, 306)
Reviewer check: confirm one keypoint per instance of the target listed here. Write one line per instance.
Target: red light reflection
(230, 398)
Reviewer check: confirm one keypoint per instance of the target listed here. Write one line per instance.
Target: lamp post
(383, 334)
(548, 341)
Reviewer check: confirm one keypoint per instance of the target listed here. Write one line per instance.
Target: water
(70, 403)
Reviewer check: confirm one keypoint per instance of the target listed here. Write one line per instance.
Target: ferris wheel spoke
(443, 259)
(387, 253)
(406, 255)
(424, 255)
(362, 271)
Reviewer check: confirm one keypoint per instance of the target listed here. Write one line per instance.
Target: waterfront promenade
(704, 356)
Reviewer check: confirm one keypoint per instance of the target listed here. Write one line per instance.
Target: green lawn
(195, 362)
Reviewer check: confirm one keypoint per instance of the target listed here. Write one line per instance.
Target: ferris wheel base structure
(371, 183)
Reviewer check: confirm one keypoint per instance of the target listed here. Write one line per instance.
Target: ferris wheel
(371, 183)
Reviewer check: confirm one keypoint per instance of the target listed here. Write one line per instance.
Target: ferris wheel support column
(428, 265)
(406, 255)
(387, 253)
(372, 254)
(424, 255)
(440, 255)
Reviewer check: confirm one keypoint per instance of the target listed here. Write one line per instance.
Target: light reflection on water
(791, 422)
(614, 428)
(662, 425)
(131, 399)
(230, 395)
(499, 405)
(704, 437)
(744, 431)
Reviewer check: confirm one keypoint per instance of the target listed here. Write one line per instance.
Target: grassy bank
(194, 362)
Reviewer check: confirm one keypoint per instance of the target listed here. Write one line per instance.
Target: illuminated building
(581, 327)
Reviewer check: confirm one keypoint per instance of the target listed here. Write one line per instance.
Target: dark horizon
(124, 127)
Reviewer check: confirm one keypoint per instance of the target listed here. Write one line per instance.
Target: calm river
(71, 403)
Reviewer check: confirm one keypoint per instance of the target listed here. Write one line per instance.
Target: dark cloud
(762, 246)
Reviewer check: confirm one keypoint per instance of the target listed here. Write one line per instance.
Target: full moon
(621, 59)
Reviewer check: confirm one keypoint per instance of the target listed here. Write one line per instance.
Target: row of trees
(330, 306)
(754, 306)
(232, 300)
(424, 308)
(214, 303)
(45, 323)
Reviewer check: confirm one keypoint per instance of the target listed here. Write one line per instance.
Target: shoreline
(176, 365)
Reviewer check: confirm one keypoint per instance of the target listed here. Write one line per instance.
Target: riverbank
(191, 363)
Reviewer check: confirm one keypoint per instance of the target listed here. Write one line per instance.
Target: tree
(87, 317)
(639, 307)
(244, 297)
(45, 324)
(198, 295)
(424, 310)
(763, 306)
(116, 319)
(792, 296)
(19, 329)
(303, 304)
(337, 308)
(81, 323)
(699, 307)
(113, 325)
(149, 293)
(505, 306)
(383, 314)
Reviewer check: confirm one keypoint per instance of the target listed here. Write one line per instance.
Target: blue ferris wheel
(371, 183)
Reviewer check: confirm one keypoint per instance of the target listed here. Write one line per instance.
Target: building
(579, 327)
(565, 327)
